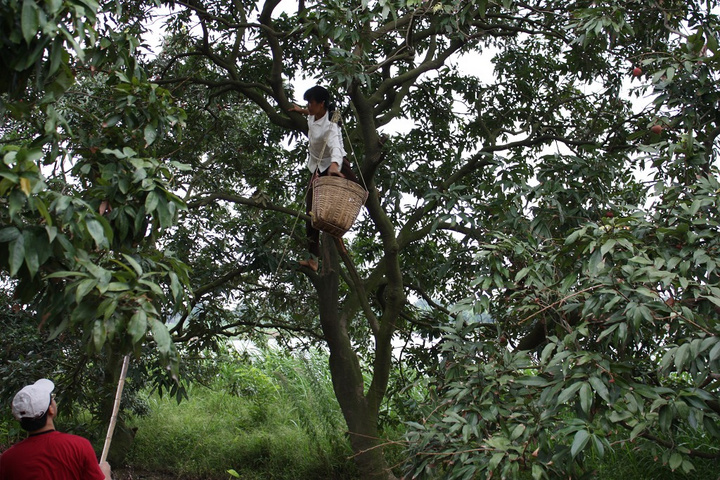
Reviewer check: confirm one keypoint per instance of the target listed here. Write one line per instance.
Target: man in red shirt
(47, 454)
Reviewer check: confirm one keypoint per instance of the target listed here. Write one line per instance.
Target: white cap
(33, 400)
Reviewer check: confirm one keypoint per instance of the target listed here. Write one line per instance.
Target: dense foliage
(85, 195)
(570, 194)
(609, 302)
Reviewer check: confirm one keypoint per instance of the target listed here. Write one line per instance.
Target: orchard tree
(520, 190)
(84, 195)
(609, 300)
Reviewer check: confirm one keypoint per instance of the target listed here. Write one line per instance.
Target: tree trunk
(361, 415)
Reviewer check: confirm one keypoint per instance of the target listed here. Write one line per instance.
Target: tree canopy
(570, 194)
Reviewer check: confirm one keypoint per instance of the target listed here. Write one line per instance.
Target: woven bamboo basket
(336, 204)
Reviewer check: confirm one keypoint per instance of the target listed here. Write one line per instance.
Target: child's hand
(334, 170)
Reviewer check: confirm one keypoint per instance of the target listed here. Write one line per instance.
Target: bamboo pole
(116, 408)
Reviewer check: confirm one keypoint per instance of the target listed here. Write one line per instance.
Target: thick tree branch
(260, 203)
(359, 287)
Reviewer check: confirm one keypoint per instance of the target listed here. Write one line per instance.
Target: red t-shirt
(51, 456)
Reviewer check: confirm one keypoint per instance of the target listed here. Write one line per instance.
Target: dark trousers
(313, 234)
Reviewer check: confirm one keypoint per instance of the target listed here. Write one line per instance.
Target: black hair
(320, 95)
(32, 424)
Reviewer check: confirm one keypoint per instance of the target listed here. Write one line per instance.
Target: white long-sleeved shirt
(324, 139)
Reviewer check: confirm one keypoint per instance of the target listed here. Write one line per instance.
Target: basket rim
(341, 182)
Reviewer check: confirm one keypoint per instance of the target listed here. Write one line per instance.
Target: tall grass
(272, 417)
(626, 460)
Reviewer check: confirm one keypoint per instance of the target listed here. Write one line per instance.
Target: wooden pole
(116, 408)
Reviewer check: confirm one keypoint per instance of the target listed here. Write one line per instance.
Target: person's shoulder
(9, 451)
(71, 438)
(14, 450)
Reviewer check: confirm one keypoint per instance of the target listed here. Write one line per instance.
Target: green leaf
(17, 254)
(117, 287)
(714, 352)
(97, 232)
(133, 263)
(37, 250)
(29, 20)
(73, 41)
(154, 287)
(573, 237)
(713, 299)
(600, 388)
(608, 331)
(607, 246)
(175, 287)
(646, 292)
(495, 460)
(641, 260)
(537, 472)
(17, 201)
(568, 282)
(547, 351)
(99, 335)
(137, 326)
(675, 461)
(164, 214)
(57, 53)
(619, 416)
(569, 393)
(84, 287)
(129, 152)
(517, 431)
(586, 398)
(579, 442)
(42, 209)
(150, 134)
(533, 381)
(522, 273)
(599, 446)
(161, 336)
(151, 202)
(667, 359)
(8, 234)
(637, 430)
(711, 427)
(681, 356)
(665, 418)
(109, 123)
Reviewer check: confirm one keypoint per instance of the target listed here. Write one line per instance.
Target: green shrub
(274, 416)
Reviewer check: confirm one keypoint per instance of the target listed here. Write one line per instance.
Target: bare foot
(310, 263)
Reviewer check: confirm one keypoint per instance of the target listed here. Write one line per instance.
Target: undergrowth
(274, 416)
